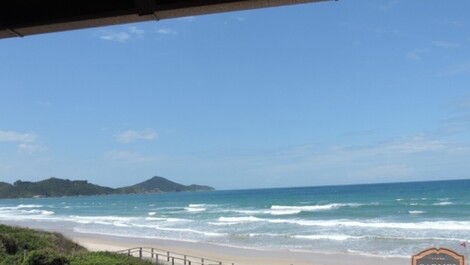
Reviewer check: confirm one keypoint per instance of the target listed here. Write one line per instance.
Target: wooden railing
(161, 256)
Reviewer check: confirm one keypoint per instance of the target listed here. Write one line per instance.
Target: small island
(55, 187)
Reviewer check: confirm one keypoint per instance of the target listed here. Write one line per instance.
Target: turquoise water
(383, 219)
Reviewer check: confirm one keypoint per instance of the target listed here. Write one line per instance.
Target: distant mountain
(5, 189)
(55, 187)
(160, 184)
(52, 187)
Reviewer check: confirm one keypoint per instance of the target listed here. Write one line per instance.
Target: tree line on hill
(55, 187)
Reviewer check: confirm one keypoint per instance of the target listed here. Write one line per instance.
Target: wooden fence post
(168, 256)
(129, 252)
(184, 259)
(202, 261)
(152, 253)
(156, 259)
(172, 261)
(140, 253)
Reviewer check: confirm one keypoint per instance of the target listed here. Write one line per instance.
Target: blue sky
(329, 93)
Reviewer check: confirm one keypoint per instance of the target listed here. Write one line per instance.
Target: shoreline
(229, 254)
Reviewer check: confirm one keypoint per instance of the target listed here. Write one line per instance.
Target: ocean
(387, 220)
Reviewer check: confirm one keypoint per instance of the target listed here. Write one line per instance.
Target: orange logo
(441, 256)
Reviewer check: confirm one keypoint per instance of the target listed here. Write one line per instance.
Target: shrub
(10, 260)
(22, 246)
(106, 258)
(45, 257)
(28, 239)
(8, 244)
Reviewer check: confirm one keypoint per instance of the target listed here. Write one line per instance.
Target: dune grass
(22, 246)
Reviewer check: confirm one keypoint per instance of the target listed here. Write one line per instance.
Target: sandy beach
(230, 254)
(226, 254)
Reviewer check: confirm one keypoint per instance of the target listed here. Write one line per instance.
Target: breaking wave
(313, 208)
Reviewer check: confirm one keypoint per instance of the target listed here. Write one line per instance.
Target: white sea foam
(104, 220)
(104, 217)
(327, 237)
(21, 206)
(416, 212)
(197, 205)
(431, 225)
(436, 225)
(266, 235)
(119, 224)
(175, 229)
(366, 254)
(177, 220)
(223, 223)
(155, 219)
(271, 212)
(249, 211)
(285, 212)
(313, 208)
(41, 212)
(167, 219)
(442, 203)
(244, 219)
(152, 213)
(195, 210)
(29, 206)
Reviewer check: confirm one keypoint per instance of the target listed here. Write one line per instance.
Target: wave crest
(313, 208)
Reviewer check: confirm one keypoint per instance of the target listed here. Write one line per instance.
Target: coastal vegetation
(22, 246)
(55, 187)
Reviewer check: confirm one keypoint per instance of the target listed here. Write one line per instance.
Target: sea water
(388, 220)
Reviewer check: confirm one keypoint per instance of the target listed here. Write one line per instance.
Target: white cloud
(404, 159)
(29, 148)
(446, 44)
(166, 31)
(385, 170)
(26, 142)
(456, 69)
(136, 31)
(416, 54)
(189, 19)
(122, 35)
(416, 145)
(115, 36)
(132, 135)
(11, 136)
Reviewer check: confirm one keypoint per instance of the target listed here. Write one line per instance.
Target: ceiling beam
(26, 17)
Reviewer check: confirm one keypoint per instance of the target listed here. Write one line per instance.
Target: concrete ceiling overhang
(20, 18)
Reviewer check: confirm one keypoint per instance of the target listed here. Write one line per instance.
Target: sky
(327, 93)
